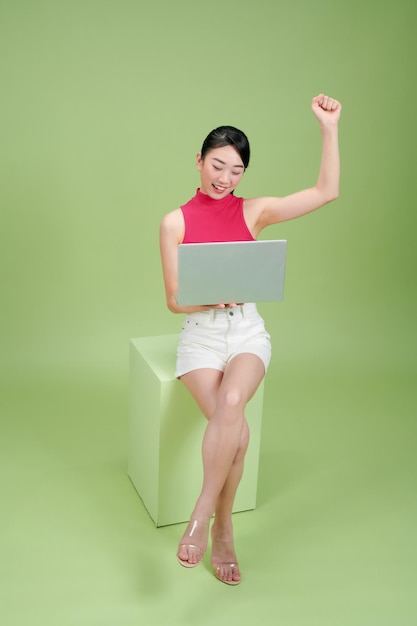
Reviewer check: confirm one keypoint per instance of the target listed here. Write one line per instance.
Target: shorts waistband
(239, 312)
(235, 312)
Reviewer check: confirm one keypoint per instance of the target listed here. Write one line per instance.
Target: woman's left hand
(326, 109)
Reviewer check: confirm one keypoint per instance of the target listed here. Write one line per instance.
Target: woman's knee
(232, 400)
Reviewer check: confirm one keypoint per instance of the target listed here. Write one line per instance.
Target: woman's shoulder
(253, 204)
(173, 222)
(253, 211)
(254, 207)
(172, 217)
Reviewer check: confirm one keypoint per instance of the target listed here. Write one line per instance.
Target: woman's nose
(224, 177)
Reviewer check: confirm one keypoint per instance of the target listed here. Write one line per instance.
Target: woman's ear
(199, 161)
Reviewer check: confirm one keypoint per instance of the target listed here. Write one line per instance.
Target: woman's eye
(217, 168)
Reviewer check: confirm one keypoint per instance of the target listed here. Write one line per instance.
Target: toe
(236, 575)
(189, 554)
(183, 553)
(194, 554)
(228, 573)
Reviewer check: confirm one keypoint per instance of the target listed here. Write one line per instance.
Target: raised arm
(261, 212)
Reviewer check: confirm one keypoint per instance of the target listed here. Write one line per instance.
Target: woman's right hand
(223, 306)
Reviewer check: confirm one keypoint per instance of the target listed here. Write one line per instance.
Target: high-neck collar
(207, 201)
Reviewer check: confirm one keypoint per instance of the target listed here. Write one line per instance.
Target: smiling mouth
(219, 189)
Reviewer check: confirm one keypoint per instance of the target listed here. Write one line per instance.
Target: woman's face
(220, 171)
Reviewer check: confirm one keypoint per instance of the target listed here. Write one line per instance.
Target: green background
(104, 105)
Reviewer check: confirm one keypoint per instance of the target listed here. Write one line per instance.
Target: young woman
(224, 349)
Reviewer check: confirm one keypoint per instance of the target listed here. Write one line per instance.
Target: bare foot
(223, 556)
(193, 544)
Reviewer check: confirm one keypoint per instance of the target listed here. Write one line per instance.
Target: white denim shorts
(211, 338)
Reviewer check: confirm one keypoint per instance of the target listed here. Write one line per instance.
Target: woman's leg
(223, 555)
(222, 399)
(241, 378)
(203, 384)
(244, 374)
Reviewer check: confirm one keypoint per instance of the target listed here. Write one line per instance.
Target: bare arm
(261, 212)
(171, 235)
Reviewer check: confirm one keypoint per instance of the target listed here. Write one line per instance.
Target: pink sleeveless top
(208, 220)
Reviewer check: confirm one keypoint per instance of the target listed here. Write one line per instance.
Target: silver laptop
(241, 271)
